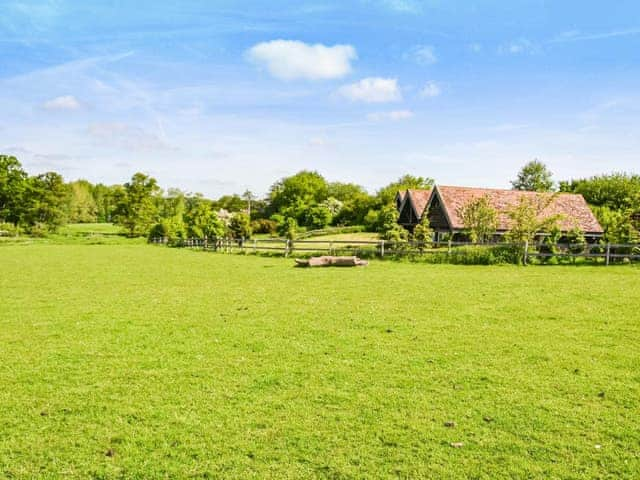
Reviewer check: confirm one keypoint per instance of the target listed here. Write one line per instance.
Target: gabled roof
(418, 200)
(572, 207)
(400, 194)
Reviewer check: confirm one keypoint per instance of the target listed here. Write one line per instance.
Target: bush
(478, 255)
(169, 228)
(38, 229)
(264, 225)
(9, 230)
(240, 226)
(288, 228)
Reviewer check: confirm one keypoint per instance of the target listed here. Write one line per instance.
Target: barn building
(442, 205)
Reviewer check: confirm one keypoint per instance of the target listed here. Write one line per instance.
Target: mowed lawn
(134, 361)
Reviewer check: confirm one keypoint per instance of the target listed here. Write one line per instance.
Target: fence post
(526, 251)
(449, 247)
(255, 246)
(382, 248)
(242, 245)
(608, 253)
(286, 248)
(330, 248)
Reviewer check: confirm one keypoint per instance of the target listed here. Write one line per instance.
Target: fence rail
(608, 253)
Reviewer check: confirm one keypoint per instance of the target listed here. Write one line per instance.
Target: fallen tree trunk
(331, 261)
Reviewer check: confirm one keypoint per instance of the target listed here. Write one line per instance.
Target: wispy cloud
(372, 90)
(520, 46)
(393, 116)
(64, 103)
(126, 136)
(430, 90)
(401, 6)
(422, 54)
(578, 36)
(292, 59)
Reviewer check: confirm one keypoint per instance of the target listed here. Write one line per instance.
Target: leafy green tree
(301, 190)
(136, 209)
(240, 226)
(82, 204)
(479, 218)
(616, 191)
(318, 216)
(345, 191)
(423, 234)
(535, 177)
(231, 203)
(105, 198)
(202, 221)
(618, 225)
(13, 185)
(173, 204)
(287, 227)
(47, 197)
(527, 219)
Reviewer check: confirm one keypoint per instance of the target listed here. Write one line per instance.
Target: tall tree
(136, 209)
(302, 189)
(479, 218)
(47, 200)
(249, 197)
(535, 177)
(82, 204)
(202, 221)
(13, 184)
(528, 219)
(617, 191)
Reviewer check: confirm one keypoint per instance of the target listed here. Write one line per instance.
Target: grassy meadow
(135, 361)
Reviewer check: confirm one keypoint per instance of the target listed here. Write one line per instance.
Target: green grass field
(134, 361)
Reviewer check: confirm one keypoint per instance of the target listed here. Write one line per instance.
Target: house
(443, 204)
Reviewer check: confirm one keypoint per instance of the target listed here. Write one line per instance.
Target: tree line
(40, 204)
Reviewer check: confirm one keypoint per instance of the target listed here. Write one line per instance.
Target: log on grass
(329, 261)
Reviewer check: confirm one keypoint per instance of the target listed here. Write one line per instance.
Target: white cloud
(372, 90)
(403, 6)
(577, 36)
(520, 46)
(67, 102)
(128, 137)
(475, 47)
(393, 116)
(430, 90)
(422, 54)
(291, 59)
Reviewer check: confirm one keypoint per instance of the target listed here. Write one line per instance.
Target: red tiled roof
(573, 208)
(419, 199)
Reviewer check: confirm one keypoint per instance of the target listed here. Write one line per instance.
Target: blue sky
(220, 96)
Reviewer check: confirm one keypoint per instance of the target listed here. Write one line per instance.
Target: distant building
(442, 205)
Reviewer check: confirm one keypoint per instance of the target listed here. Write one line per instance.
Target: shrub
(9, 229)
(264, 225)
(38, 229)
(240, 226)
(288, 228)
(478, 255)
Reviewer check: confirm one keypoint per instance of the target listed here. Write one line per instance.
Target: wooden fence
(602, 253)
